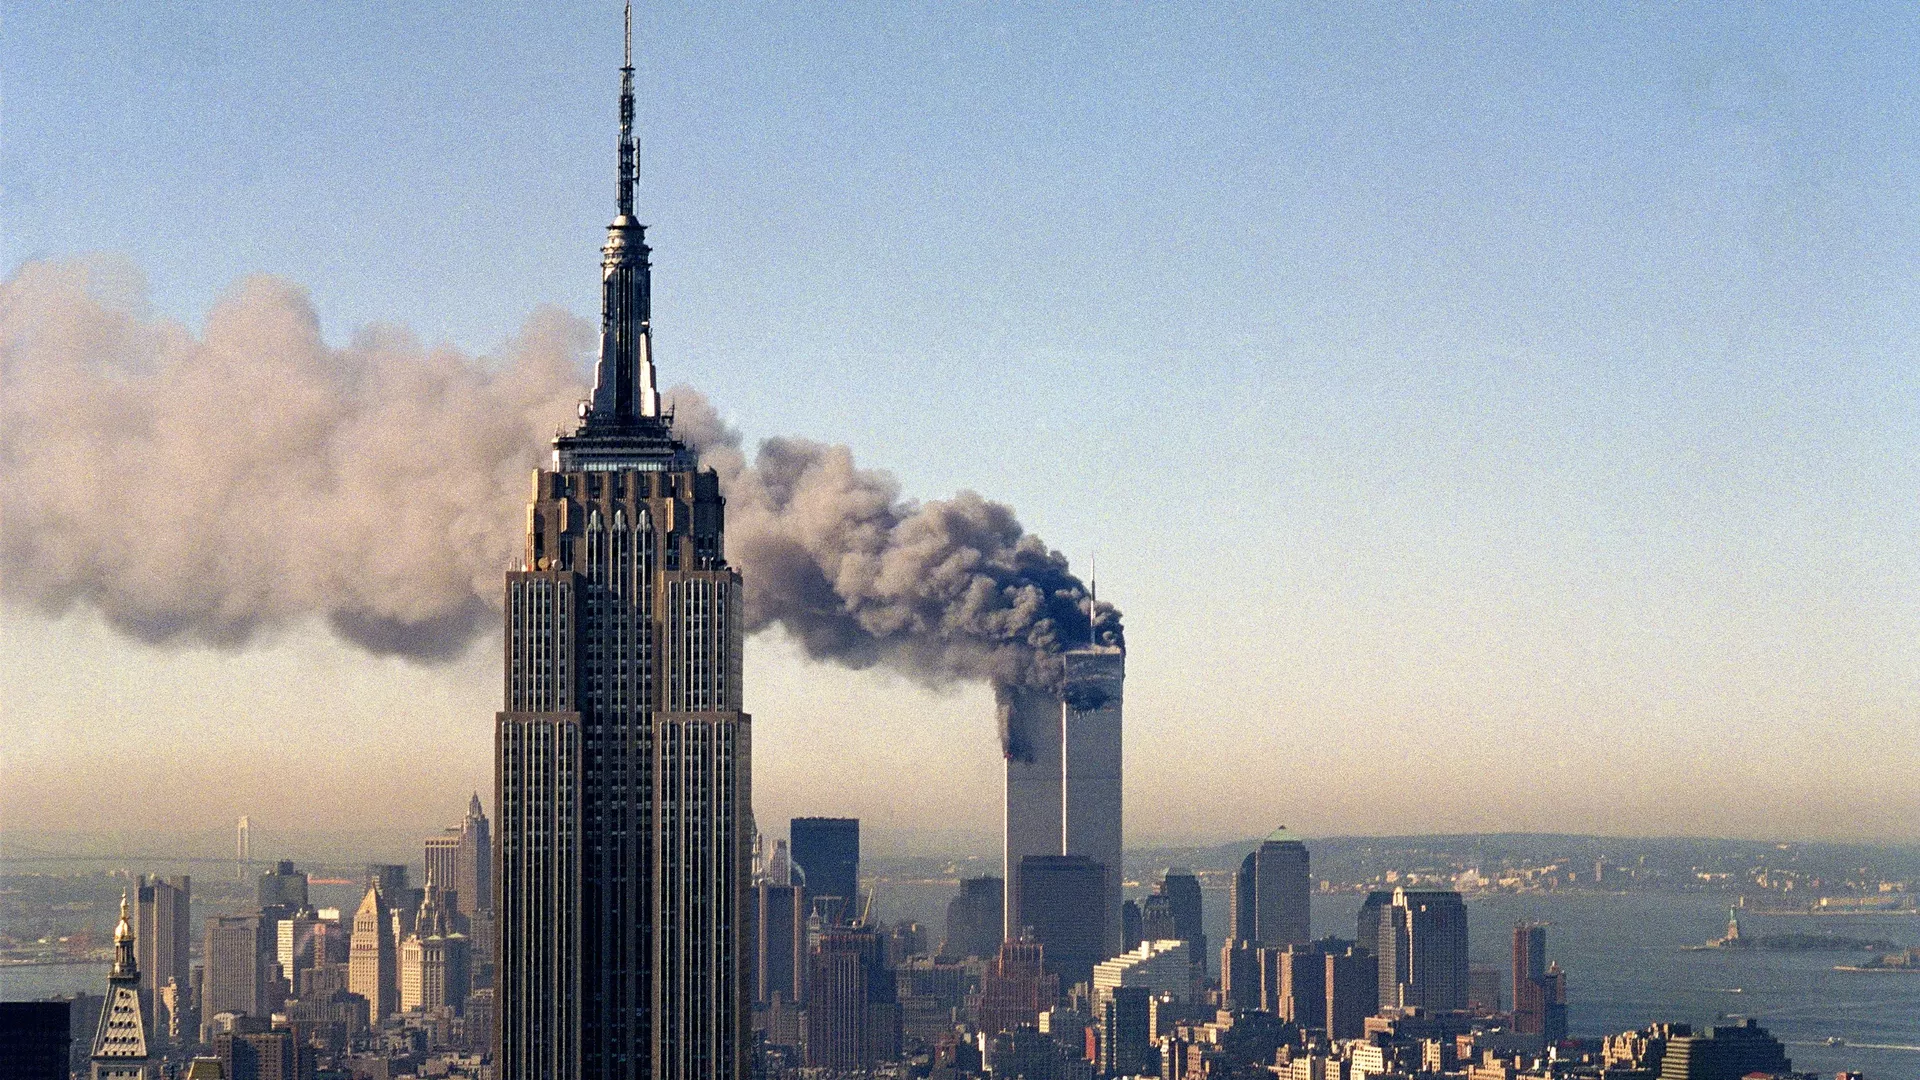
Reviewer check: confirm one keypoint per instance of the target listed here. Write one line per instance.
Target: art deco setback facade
(622, 756)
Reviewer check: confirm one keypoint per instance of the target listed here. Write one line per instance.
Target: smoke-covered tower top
(622, 425)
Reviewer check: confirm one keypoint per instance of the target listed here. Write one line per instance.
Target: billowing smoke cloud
(218, 487)
(948, 589)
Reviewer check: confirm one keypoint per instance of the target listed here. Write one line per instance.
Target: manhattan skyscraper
(622, 756)
(1063, 785)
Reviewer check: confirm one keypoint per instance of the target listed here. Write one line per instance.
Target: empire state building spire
(623, 393)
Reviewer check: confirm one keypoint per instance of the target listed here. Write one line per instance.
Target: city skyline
(1636, 531)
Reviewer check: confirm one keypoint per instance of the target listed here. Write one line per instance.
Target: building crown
(124, 963)
(624, 395)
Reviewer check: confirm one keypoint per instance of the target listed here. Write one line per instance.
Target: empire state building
(622, 757)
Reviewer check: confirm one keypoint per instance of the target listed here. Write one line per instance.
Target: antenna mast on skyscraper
(629, 163)
(1093, 602)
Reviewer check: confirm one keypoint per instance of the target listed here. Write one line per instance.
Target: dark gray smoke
(941, 590)
(215, 488)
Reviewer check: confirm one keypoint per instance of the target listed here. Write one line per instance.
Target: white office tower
(1163, 967)
(1064, 756)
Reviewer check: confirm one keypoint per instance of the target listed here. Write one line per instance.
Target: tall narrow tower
(1063, 786)
(622, 757)
(242, 848)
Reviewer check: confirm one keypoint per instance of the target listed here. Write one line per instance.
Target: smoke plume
(215, 488)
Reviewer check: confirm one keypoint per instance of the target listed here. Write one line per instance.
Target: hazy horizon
(1487, 421)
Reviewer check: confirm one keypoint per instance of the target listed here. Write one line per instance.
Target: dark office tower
(390, 879)
(1062, 899)
(1283, 890)
(282, 890)
(1241, 920)
(1529, 964)
(1483, 991)
(121, 1046)
(622, 756)
(332, 941)
(36, 1038)
(1182, 891)
(1126, 1040)
(1353, 991)
(1301, 996)
(1553, 992)
(1539, 990)
(1727, 1052)
(1156, 919)
(780, 943)
(1367, 928)
(259, 1055)
(828, 851)
(1423, 951)
(1132, 926)
(1240, 978)
(853, 1018)
(974, 919)
(163, 934)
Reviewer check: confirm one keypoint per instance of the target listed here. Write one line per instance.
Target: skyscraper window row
(629, 917)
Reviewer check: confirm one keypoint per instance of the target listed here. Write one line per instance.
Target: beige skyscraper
(372, 959)
(434, 959)
(622, 757)
(413, 965)
(239, 969)
(163, 933)
(461, 860)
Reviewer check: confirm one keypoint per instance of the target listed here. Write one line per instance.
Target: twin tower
(1064, 796)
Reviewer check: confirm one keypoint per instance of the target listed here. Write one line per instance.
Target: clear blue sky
(1489, 417)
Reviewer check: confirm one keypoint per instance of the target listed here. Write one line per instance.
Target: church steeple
(624, 394)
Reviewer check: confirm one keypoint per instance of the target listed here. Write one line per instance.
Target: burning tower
(1063, 776)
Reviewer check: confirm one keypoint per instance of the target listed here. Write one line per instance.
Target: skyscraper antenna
(629, 157)
(1093, 602)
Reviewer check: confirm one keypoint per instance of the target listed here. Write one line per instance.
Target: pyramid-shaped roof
(122, 1034)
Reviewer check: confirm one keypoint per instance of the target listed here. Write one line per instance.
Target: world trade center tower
(622, 757)
(1063, 786)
